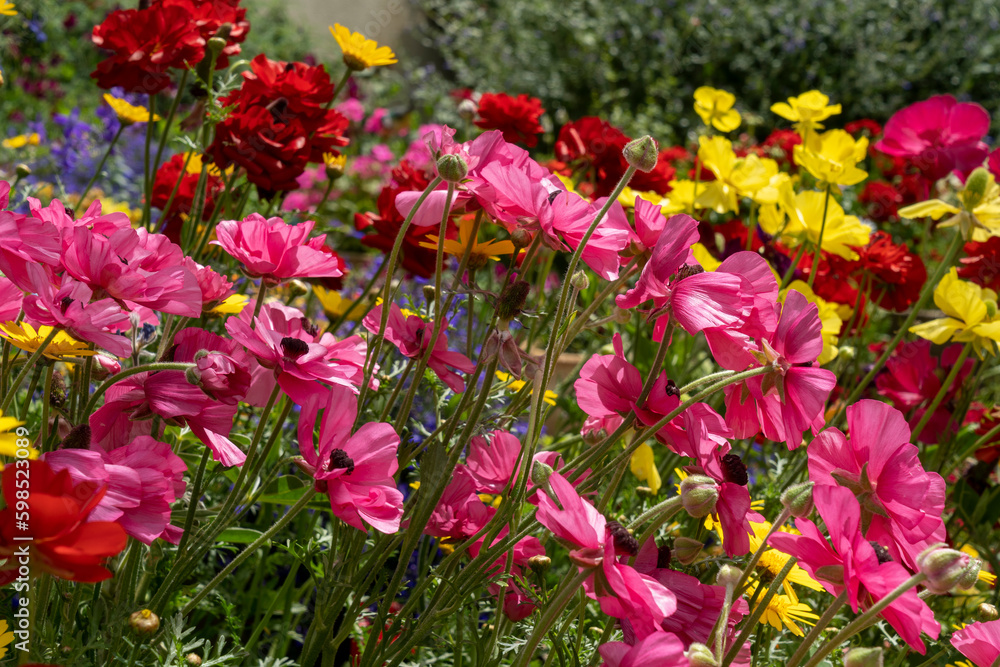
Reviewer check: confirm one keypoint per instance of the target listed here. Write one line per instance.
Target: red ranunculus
(209, 15)
(897, 274)
(517, 117)
(781, 145)
(881, 200)
(864, 126)
(982, 266)
(167, 177)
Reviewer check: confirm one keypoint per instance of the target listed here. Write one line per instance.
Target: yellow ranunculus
(127, 113)
(978, 218)
(643, 466)
(836, 158)
(970, 315)
(800, 220)
(716, 108)
(806, 111)
(681, 197)
(735, 177)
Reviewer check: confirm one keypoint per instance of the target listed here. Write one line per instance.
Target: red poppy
(982, 266)
(517, 117)
(44, 525)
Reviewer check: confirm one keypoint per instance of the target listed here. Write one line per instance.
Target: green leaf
(283, 491)
(240, 535)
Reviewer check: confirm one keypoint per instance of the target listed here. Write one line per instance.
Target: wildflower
(828, 317)
(7, 9)
(805, 219)
(21, 140)
(129, 114)
(335, 164)
(834, 158)
(143, 479)
(660, 648)
(806, 111)
(517, 117)
(783, 611)
(411, 335)
(63, 542)
(274, 251)
(354, 470)
(979, 642)
(549, 397)
(938, 136)
(461, 512)
(970, 315)
(772, 561)
(8, 440)
(24, 336)
(360, 53)
(978, 216)
(716, 108)
(479, 253)
(734, 176)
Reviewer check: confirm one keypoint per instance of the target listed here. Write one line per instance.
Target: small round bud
(686, 550)
(452, 168)
(224, 31)
(298, 288)
(622, 316)
(144, 622)
(945, 568)
(193, 659)
(193, 376)
(699, 494)
(986, 613)
(200, 354)
(579, 280)
(520, 237)
(467, 110)
(429, 293)
(863, 657)
(798, 499)
(22, 170)
(975, 188)
(699, 655)
(971, 576)
(77, 438)
(512, 300)
(540, 474)
(641, 153)
(539, 564)
(991, 308)
(215, 45)
(729, 576)
(831, 573)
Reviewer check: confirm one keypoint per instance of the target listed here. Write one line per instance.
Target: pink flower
(788, 400)
(662, 649)
(214, 287)
(492, 461)
(851, 564)
(517, 603)
(732, 509)
(10, 300)
(412, 335)
(143, 479)
(25, 241)
(938, 135)
(221, 376)
(460, 513)
(290, 350)
(70, 309)
(979, 642)
(355, 470)
(275, 251)
(594, 545)
(901, 503)
(93, 219)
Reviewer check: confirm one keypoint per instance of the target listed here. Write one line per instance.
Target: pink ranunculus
(460, 512)
(143, 478)
(517, 603)
(849, 562)
(274, 251)
(491, 460)
(412, 335)
(789, 400)
(93, 218)
(901, 503)
(354, 470)
(10, 300)
(938, 136)
(215, 288)
(663, 649)
(24, 241)
(979, 642)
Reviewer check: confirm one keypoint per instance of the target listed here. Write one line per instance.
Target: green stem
(755, 558)
(28, 365)
(193, 506)
(758, 611)
(166, 132)
(810, 639)
(819, 241)
(147, 184)
(949, 380)
(100, 166)
(552, 611)
(260, 302)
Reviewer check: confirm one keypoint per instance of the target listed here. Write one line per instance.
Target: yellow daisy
(21, 140)
(127, 113)
(25, 337)
(7, 9)
(479, 252)
(6, 636)
(515, 386)
(784, 612)
(335, 305)
(8, 447)
(360, 53)
(772, 561)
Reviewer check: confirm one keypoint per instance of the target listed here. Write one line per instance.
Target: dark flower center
(293, 348)
(689, 270)
(340, 459)
(881, 552)
(662, 556)
(671, 389)
(622, 538)
(733, 470)
(309, 327)
(65, 303)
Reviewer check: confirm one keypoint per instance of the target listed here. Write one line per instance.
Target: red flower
(897, 274)
(145, 44)
(864, 126)
(597, 144)
(781, 145)
(209, 15)
(517, 117)
(882, 201)
(45, 525)
(676, 154)
(982, 266)
(167, 177)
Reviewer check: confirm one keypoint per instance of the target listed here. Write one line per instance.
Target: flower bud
(193, 659)
(945, 568)
(699, 495)
(540, 474)
(215, 45)
(298, 288)
(144, 622)
(975, 188)
(798, 499)
(831, 573)
(991, 308)
(622, 316)
(729, 576)
(580, 281)
(429, 293)
(986, 613)
(644, 492)
(22, 170)
(304, 466)
(699, 655)
(452, 168)
(520, 237)
(971, 576)
(641, 153)
(863, 657)
(467, 110)
(58, 393)
(539, 564)
(77, 438)
(512, 300)
(686, 550)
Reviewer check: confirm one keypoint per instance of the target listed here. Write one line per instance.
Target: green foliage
(638, 63)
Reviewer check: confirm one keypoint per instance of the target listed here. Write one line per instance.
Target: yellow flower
(194, 164)
(6, 636)
(716, 108)
(986, 577)
(643, 466)
(128, 113)
(21, 140)
(971, 315)
(735, 177)
(773, 561)
(978, 218)
(480, 252)
(7, 9)
(704, 257)
(681, 197)
(232, 305)
(784, 612)
(828, 317)
(806, 110)
(335, 164)
(360, 52)
(25, 337)
(8, 447)
(835, 158)
(628, 196)
(335, 305)
(515, 386)
(800, 220)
